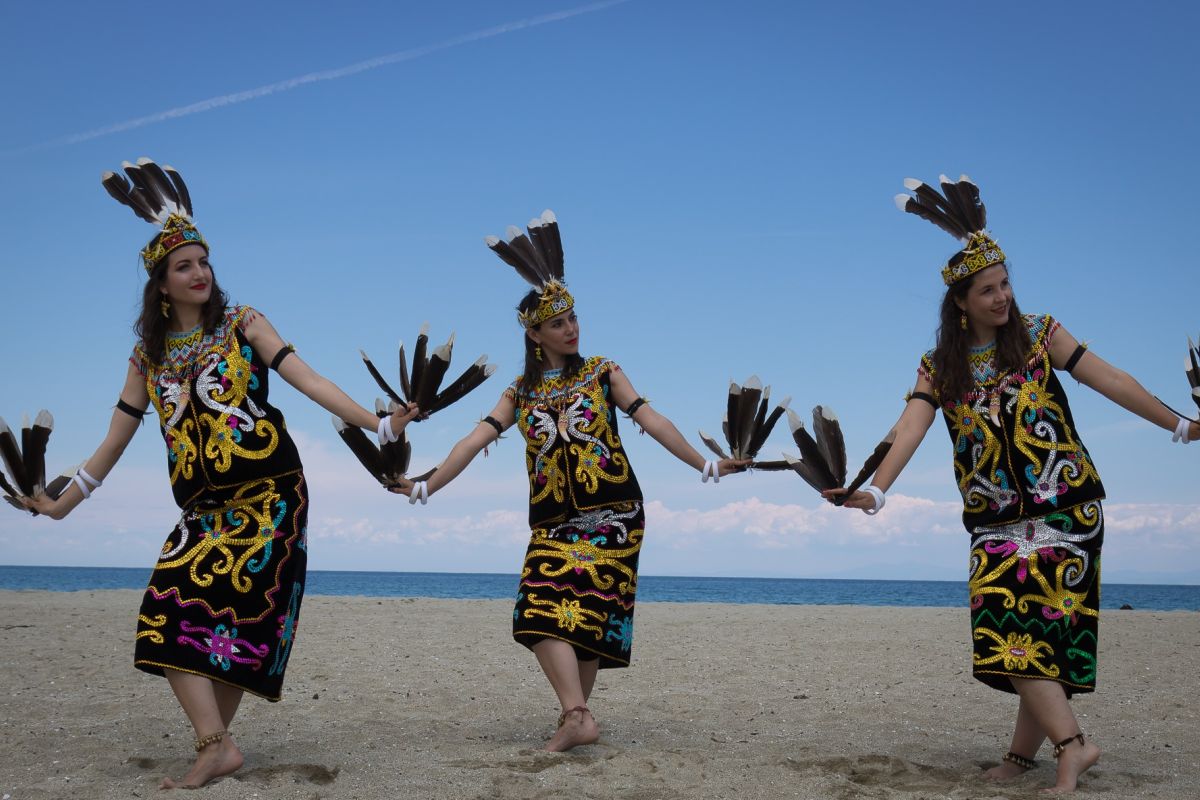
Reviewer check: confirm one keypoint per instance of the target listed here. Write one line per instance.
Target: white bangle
(1181, 431)
(419, 491)
(712, 469)
(876, 493)
(86, 483)
(385, 431)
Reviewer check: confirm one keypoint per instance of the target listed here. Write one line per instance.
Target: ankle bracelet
(1058, 748)
(212, 738)
(1020, 760)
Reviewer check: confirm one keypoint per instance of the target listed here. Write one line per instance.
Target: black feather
(520, 244)
(747, 411)
(181, 190)
(388, 390)
(362, 447)
(829, 438)
(733, 430)
(11, 453)
(405, 384)
(419, 361)
(764, 430)
(117, 186)
(34, 452)
(431, 381)
(944, 221)
(711, 444)
(160, 184)
(872, 464)
(810, 454)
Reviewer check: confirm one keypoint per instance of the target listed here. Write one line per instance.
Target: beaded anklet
(212, 738)
(1058, 748)
(1019, 760)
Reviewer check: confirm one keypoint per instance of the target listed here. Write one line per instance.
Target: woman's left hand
(404, 487)
(728, 466)
(400, 417)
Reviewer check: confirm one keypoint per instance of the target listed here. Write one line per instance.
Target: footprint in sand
(281, 773)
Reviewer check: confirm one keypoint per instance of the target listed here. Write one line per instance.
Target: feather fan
(746, 424)
(26, 460)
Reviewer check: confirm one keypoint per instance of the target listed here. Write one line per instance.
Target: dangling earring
(166, 306)
(537, 353)
(962, 321)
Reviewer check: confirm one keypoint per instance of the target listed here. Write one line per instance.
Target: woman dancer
(219, 616)
(575, 600)
(1030, 491)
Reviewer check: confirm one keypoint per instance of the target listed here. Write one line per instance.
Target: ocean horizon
(651, 588)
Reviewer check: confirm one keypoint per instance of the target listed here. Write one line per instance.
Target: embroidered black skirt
(579, 581)
(224, 598)
(1035, 599)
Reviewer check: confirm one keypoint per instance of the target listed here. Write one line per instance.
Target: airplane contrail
(316, 77)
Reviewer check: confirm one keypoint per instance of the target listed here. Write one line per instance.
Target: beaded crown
(981, 252)
(555, 299)
(178, 231)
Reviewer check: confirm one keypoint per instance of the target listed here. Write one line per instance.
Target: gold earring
(166, 306)
(537, 352)
(962, 321)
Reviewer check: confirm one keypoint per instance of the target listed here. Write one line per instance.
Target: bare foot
(220, 758)
(1074, 760)
(578, 727)
(1004, 771)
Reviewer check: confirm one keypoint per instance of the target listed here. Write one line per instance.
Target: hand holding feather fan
(822, 461)
(1191, 368)
(26, 463)
(421, 387)
(746, 424)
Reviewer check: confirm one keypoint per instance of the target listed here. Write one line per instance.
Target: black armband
(634, 406)
(283, 353)
(490, 420)
(1074, 359)
(928, 398)
(130, 410)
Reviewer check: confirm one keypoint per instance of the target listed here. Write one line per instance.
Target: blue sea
(489, 586)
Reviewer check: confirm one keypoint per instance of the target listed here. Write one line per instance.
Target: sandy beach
(404, 698)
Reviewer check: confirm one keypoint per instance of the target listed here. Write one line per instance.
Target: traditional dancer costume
(1031, 495)
(579, 578)
(224, 598)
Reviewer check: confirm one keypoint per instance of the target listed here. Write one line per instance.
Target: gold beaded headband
(981, 252)
(177, 232)
(555, 299)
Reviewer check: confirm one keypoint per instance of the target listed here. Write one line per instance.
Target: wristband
(385, 431)
(86, 483)
(1181, 431)
(420, 491)
(712, 469)
(876, 493)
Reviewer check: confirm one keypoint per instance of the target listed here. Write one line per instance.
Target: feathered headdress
(538, 258)
(959, 212)
(159, 196)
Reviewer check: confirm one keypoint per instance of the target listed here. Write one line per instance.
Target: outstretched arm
(467, 448)
(322, 391)
(911, 428)
(1117, 385)
(663, 430)
(121, 429)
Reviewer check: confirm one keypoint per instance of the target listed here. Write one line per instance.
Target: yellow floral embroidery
(569, 614)
(1018, 652)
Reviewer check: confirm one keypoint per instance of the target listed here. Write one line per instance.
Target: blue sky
(723, 175)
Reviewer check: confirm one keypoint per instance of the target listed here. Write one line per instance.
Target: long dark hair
(534, 369)
(951, 357)
(151, 325)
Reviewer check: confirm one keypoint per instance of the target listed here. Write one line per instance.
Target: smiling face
(558, 336)
(188, 278)
(988, 303)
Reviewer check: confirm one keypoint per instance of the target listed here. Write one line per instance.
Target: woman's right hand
(860, 500)
(42, 504)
